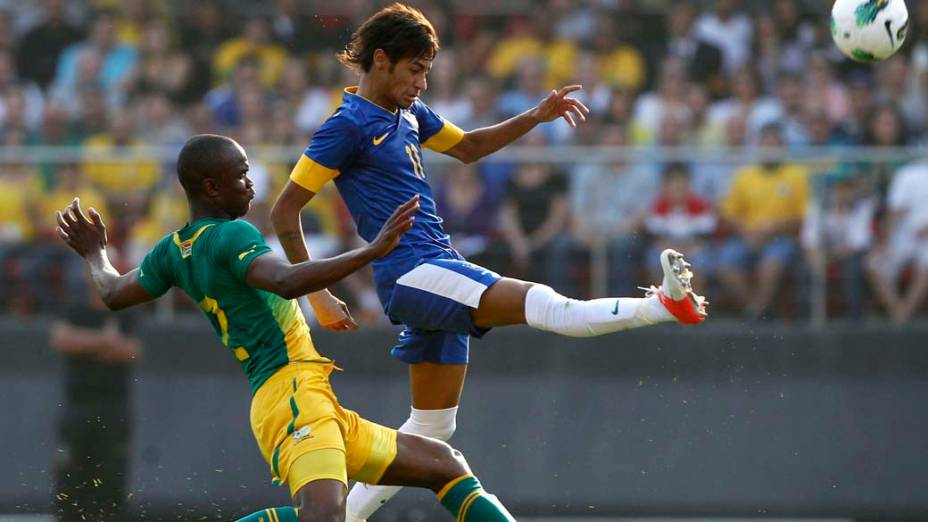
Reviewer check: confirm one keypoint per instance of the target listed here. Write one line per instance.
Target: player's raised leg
(511, 301)
(429, 463)
(436, 393)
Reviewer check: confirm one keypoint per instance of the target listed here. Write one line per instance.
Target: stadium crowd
(115, 77)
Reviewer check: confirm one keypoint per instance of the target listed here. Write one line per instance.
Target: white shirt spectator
(733, 36)
(836, 229)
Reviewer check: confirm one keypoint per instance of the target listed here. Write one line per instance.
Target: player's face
(236, 190)
(408, 78)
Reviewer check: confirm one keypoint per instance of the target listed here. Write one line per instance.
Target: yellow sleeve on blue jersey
(311, 175)
(333, 146)
(449, 136)
(434, 131)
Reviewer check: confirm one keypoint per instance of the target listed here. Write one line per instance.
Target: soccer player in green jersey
(247, 293)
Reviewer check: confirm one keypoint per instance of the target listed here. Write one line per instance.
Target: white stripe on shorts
(446, 283)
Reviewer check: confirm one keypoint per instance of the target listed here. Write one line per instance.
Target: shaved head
(205, 156)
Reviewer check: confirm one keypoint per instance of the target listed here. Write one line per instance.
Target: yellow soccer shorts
(305, 434)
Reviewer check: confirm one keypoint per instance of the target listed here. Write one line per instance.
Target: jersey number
(413, 154)
(211, 306)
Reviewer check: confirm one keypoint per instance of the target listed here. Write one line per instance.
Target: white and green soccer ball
(869, 30)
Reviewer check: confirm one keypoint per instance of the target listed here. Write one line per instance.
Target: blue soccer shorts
(434, 301)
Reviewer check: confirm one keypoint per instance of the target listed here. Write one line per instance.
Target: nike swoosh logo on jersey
(245, 253)
(615, 311)
(378, 141)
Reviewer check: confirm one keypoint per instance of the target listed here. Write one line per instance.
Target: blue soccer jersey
(375, 157)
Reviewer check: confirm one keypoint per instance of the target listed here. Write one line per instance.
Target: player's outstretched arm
(482, 142)
(270, 272)
(88, 239)
(331, 311)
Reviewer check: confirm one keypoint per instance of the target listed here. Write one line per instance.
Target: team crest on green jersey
(866, 13)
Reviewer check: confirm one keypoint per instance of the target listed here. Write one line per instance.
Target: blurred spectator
(885, 128)
(92, 464)
(132, 18)
(54, 275)
(596, 93)
(116, 61)
(527, 92)
(127, 175)
(764, 209)
(19, 190)
(608, 204)
(165, 68)
(824, 92)
(203, 30)
(621, 64)
(444, 97)
(167, 211)
(163, 125)
(530, 39)
(670, 95)
(711, 179)
(896, 84)
(783, 40)
(790, 110)
(294, 29)
(838, 233)
(861, 102)
(469, 211)
(21, 102)
(702, 60)
(903, 245)
(534, 215)
(729, 30)
(310, 104)
(224, 100)
(38, 51)
(91, 117)
(748, 99)
(681, 220)
(254, 42)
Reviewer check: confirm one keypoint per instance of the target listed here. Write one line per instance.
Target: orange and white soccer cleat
(676, 290)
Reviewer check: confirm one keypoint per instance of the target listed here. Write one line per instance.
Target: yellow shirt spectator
(623, 67)
(759, 196)
(18, 193)
(270, 57)
(510, 52)
(123, 176)
(62, 196)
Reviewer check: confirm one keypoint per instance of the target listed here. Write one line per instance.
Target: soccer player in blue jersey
(371, 147)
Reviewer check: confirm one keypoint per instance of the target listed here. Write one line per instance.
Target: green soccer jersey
(208, 260)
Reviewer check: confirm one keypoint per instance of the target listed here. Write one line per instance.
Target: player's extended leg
(429, 463)
(511, 301)
(280, 514)
(436, 393)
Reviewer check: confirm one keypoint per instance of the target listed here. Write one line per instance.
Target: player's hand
(559, 105)
(398, 224)
(331, 312)
(86, 237)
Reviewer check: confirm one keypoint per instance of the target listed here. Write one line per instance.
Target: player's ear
(381, 60)
(210, 187)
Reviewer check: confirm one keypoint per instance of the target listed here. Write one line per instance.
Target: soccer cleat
(676, 290)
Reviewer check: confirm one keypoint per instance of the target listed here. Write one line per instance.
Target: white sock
(548, 310)
(364, 500)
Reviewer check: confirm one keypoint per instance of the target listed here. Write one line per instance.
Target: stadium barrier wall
(727, 419)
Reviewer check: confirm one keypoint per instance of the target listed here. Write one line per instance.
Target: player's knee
(323, 511)
(437, 424)
(449, 465)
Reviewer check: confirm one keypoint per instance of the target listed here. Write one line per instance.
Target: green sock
(468, 502)
(281, 514)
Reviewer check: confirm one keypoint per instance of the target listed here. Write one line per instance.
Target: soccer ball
(869, 30)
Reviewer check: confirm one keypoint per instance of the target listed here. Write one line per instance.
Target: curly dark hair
(401, 31)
